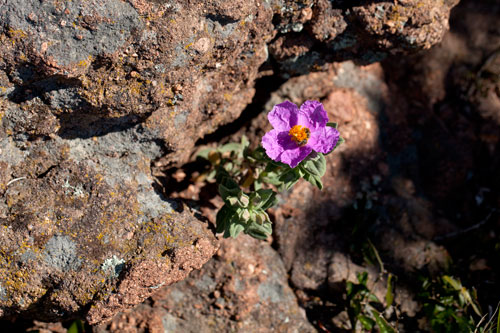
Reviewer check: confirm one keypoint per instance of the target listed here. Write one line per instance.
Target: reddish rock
(243, 288)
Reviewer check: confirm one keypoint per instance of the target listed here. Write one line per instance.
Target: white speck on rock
(113, 266)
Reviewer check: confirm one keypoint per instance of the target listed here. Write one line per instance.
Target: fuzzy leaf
(314, 180)
(203, 153)
(289, 178)
(223, 217)
(334, 125)
(271, 178)
(226, 192)
(259, 231)
(314, 165)
(225, 179)
(267, 199)
(230, 147)
(235, 229)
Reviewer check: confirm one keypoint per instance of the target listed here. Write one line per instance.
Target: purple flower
(297, 132)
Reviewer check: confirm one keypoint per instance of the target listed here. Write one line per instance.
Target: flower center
(300, 134)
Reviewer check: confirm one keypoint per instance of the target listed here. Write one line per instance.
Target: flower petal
(283, 116)
(271, 144)
(312, 114)
(324, 139)
(280, 147)
(294, 156)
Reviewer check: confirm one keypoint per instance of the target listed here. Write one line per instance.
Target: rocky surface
(95, 95)
(311, 32)
(242, 289)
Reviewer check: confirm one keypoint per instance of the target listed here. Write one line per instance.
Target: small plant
(446, 303)
(294, 149)
(365, 308)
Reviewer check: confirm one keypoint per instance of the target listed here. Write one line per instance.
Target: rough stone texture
(58, 236)
(312, 32)
(242, 289)
(69, 206)
(418, 142)
(85, 68)
(94, 94)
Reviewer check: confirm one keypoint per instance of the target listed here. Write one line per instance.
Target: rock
(314, 32)
(93, 94)
(96, 95)
(243, 289)
(186, 67)
(83, 231)
(87, 68)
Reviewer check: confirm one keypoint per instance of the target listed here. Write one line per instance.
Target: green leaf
(244, 141)
(226, 192)
(362, 278)
(373, 298)
(76, 327)
(259, 154)
(383, 325)
(289, 178)
(452, 282)
(228, 147)
(283, 166)
(314, 180)
(389, 296)
(267, 199)
(235, 229)
(270, 177)
(259, 231)
(232, 229)
(225, 179)
(334, 125)
(203, 153)
(223, 217)
(367, 323)
(314, 164)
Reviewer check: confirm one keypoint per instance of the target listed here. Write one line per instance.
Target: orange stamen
(300, 134)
